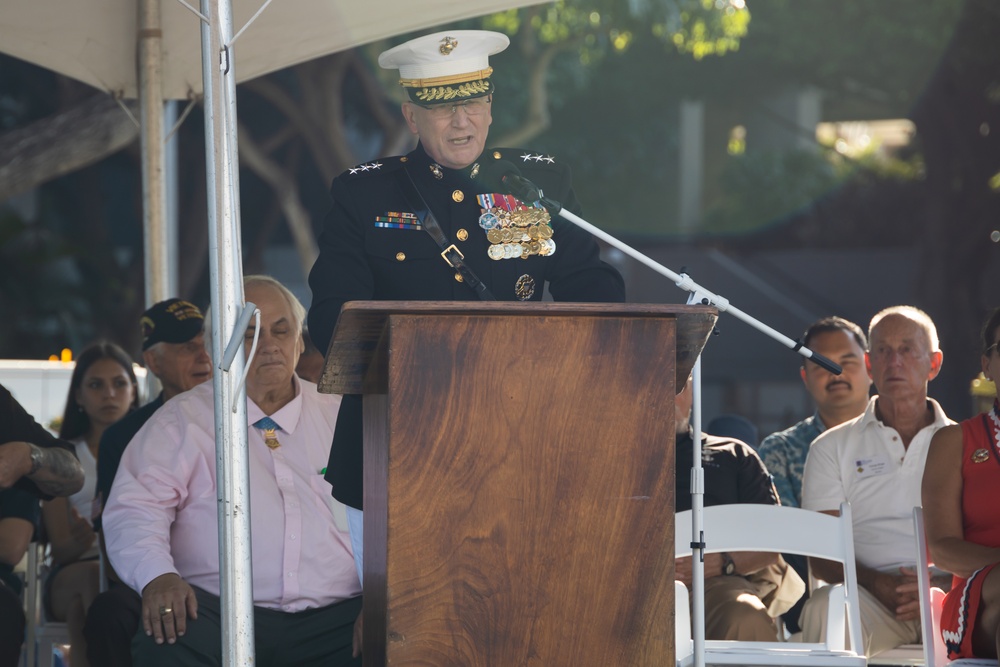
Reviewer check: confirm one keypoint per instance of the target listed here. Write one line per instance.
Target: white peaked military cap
(446, 66)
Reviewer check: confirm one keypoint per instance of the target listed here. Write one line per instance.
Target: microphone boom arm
(698, 293)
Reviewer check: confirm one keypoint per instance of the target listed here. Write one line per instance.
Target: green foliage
(708, 28)
(758, 188)
(595, 29)
(614, 113)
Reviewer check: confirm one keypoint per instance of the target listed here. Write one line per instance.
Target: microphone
(506, 177)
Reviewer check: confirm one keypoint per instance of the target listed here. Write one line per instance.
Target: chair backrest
(932, 606)
(777, 529)
(42, 635)
(683, 644)
(931, 601)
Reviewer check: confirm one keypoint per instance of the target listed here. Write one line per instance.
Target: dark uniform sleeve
(341, 272)
(16, 425)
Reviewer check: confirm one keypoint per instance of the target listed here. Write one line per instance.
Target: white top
(863, 461)
(83, 500)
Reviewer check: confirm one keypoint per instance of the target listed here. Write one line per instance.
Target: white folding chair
(931, 606)
(777, 529)
(42, 635)
(907, 655)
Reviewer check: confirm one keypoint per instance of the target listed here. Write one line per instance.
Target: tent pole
(225, 266)
(154, 207)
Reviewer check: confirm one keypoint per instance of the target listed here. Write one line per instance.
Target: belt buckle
(444, 255)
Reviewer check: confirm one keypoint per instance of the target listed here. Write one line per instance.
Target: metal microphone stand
(698, 295)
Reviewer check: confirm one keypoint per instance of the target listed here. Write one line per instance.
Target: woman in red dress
(962, 518)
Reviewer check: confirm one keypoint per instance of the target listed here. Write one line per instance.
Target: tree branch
(395, 134)
(63, 143)
(537, 118)
(295, 112)
(286, 189)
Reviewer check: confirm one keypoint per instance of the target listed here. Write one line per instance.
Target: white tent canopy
(105, 43)
(151, 50)
(95, 41)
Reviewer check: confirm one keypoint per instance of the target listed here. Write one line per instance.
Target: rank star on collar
(528, 157)
(368, 166)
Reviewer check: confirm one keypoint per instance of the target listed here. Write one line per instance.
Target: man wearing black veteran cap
(378, 243)
(173, 349)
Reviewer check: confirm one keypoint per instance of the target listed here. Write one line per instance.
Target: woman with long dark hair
(102, 390)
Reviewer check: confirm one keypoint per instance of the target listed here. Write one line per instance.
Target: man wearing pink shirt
(161, 524)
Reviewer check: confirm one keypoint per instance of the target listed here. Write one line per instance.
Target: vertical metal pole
(225, 265)
(155, 247)
(697, 529)
(171, 197)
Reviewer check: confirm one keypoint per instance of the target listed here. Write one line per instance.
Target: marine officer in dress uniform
(376, 244)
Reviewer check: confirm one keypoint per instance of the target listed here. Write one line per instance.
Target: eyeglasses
(474, 107)
(990, 349)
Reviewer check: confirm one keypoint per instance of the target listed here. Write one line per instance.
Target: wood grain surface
(519, 490)
(362, 324)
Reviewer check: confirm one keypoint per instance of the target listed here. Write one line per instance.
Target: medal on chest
(514, 229)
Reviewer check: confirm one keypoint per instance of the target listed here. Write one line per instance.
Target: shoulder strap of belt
(450, 253)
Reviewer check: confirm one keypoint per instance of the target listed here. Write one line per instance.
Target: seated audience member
(875, 462)
(734, 427)
(102, 390)
(962, 519)
(31, 458)
(19, 513)
(744, 591)
(33, 465)
(838, 398)
(173, 349)
(161, 524)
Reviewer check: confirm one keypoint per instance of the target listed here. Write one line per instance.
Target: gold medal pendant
(271, 439)
(268, 430)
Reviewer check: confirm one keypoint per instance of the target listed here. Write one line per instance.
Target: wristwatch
(37, 457)
(728, 566)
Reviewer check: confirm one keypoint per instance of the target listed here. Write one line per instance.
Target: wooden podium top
(362, 323)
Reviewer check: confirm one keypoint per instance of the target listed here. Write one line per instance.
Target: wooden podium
(519, 478)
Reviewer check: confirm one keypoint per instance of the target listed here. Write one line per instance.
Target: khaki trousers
(880, 629)
(734, 612)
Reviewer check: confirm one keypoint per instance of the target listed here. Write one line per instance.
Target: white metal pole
(697, 518)
(225, 265)
(155, 246)
(171, 198)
